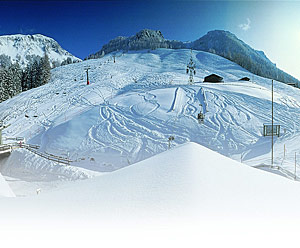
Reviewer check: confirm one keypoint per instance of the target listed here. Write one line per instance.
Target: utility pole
(272, 161)
(295, 166)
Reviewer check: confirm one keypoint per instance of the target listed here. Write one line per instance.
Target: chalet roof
(245, 79)
(213, 78)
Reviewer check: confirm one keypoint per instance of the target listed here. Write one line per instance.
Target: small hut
(245, 79)
(213, 78)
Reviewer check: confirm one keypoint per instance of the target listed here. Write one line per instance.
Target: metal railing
(34, 149)
(5, 148)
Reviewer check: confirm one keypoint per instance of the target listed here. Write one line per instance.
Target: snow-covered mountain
(24, 48)
(220, 42)
(144, 39)
(134, 105)
(116, 133)
(229, 46)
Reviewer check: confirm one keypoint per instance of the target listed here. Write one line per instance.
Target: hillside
(222, 43)
(227, 45)
(128, 113)
(24, 48)
(124, 179)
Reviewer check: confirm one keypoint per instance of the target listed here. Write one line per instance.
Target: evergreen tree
(13, 80)
(35, 76)
(16, 76)
(26, 78)
(5, 61)
(45, 69)
(6, 79)
(2, 78)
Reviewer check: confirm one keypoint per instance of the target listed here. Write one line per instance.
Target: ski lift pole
(171, 138)
(272, 160)
(190, 69)
(87, 75)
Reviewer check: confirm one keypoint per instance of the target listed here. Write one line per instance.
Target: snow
(19, 46)
(123, 178)
(184, 190)
(189, 178)
(131, 109)
(5, 190)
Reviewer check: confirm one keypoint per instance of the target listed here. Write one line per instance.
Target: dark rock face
(145, 39)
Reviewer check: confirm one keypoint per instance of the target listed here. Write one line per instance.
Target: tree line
(14, 79)
(261, 68)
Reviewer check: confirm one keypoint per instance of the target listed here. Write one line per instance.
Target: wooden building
(245, 79)
(213, 78)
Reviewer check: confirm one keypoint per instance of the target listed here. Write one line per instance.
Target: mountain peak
(149, 34)
(144, 39)
(23, 48)
(221, 31)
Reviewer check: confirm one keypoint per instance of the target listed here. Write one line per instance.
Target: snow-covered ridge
(23, 48)
(220, 42)
(144, 39)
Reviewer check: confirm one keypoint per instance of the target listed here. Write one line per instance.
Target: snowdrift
(187, 183)
(5, 190)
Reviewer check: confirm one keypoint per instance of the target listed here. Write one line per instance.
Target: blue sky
(82, 27)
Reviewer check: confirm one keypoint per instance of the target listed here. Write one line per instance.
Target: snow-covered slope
(188, 191)
(133, 106)
(5, 190)
(126, 115)
(21, 47)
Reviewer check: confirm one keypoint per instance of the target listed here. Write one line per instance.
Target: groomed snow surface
(126, 115)
(189, 191)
